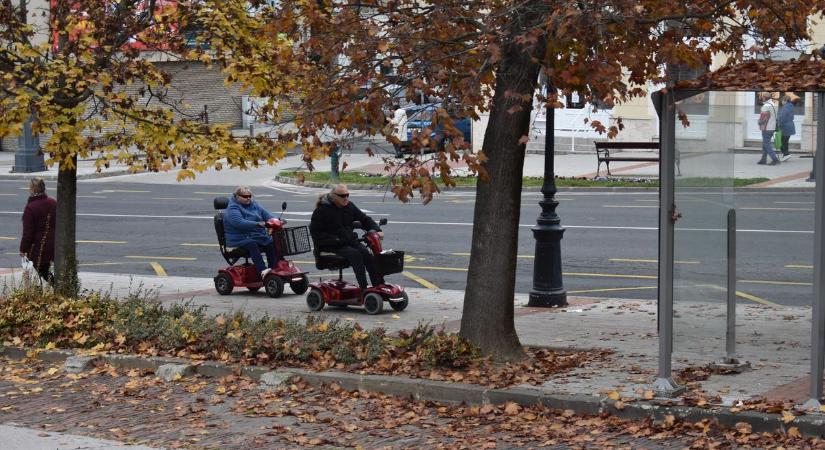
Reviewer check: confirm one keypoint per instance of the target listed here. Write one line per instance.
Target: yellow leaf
(396, 316)
(323, 327)
(648, 395)
(220, 390)
(50, 346)
(613, 395)
(787, 417)
(52, 371)
(176, 377)
(619, 405)
(120, 339)
(794, 432)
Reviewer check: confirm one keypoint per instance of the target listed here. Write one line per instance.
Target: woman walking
(39, 219)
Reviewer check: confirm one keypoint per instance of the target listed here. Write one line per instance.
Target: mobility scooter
(288, 241)
(342, 294)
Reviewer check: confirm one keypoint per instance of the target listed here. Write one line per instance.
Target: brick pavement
(234, 413)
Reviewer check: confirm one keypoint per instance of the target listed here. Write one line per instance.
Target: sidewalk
(790, 174)
(775, 341)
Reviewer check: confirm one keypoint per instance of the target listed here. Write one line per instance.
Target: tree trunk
(487, 318)
(65, 255)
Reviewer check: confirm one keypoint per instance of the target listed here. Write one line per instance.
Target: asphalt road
(609, 247)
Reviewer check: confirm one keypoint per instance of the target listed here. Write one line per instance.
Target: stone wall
(193, 87)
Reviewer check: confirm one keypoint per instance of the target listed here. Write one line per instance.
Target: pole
(548, 289)
(818, 309)
(28, 157)
(664, 384)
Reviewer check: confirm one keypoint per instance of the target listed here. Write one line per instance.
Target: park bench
(603, 153)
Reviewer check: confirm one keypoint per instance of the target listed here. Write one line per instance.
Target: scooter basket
(390, 261)
(293, 240)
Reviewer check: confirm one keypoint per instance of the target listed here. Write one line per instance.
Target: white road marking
(461, 224)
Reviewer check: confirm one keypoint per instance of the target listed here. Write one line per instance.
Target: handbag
(777, 140)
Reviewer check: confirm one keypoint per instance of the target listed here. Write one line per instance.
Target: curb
(53, 176)
(369, 187)
(811, 425)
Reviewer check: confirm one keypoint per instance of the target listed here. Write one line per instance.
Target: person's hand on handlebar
(381, 234)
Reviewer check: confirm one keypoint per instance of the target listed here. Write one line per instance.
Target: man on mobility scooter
(245, 230)
(337, 246)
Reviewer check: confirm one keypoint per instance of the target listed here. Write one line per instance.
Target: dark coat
(786, 119)
(39, 220)
(331, 226)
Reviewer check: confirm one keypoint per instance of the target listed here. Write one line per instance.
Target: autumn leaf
(613, 395)
(787, 417)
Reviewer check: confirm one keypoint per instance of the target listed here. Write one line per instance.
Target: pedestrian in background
(786, 125)
(767, 124)
(399, 124)
(39, 220)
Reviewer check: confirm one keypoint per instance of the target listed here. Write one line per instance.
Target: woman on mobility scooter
(244, 230)
(338, 246)
(244, 224)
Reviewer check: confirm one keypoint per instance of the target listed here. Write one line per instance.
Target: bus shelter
(701, 123)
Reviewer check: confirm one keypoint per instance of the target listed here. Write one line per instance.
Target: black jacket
(331, 226)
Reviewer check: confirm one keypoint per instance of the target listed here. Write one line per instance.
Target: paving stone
(172, 372)
(78, 364)
(274, 379)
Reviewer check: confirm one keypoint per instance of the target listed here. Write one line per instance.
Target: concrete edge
(812, 425)
(372, 187)
(53, 176)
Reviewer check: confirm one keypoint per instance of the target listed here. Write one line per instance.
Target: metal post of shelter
(818, 308)
(665, 102)
(730, 361)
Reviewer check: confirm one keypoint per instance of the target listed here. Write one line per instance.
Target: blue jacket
(786, 119)
(240, 223)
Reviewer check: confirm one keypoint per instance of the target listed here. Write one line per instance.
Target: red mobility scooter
(342, 294)
(288, 241)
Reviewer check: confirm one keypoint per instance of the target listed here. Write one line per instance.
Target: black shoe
(774, 163)
(761, 161)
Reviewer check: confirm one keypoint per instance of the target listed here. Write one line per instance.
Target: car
(419, 117)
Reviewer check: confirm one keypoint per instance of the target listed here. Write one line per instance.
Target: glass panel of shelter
(773, 251)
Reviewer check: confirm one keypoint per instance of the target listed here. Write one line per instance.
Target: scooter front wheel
(402, 305)
(315, 300)
(274, 286)
(299, 287)
(373, 303)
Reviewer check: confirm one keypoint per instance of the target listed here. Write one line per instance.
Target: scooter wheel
(223, 284)
(402, 305)
(299, 287)
(315, 300)
(373, 303)
(274, 286)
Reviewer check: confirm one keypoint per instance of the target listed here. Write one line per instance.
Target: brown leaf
(512, 408)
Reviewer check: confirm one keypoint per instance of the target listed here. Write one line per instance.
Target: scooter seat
(330, 261)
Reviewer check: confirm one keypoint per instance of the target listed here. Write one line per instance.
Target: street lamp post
(548, 289)
(28, 157)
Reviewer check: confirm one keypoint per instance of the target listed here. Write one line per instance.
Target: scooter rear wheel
(402, 305)
(223, 284)
(315, 300)
(299, 287)
(274, 286)
(373, 303)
